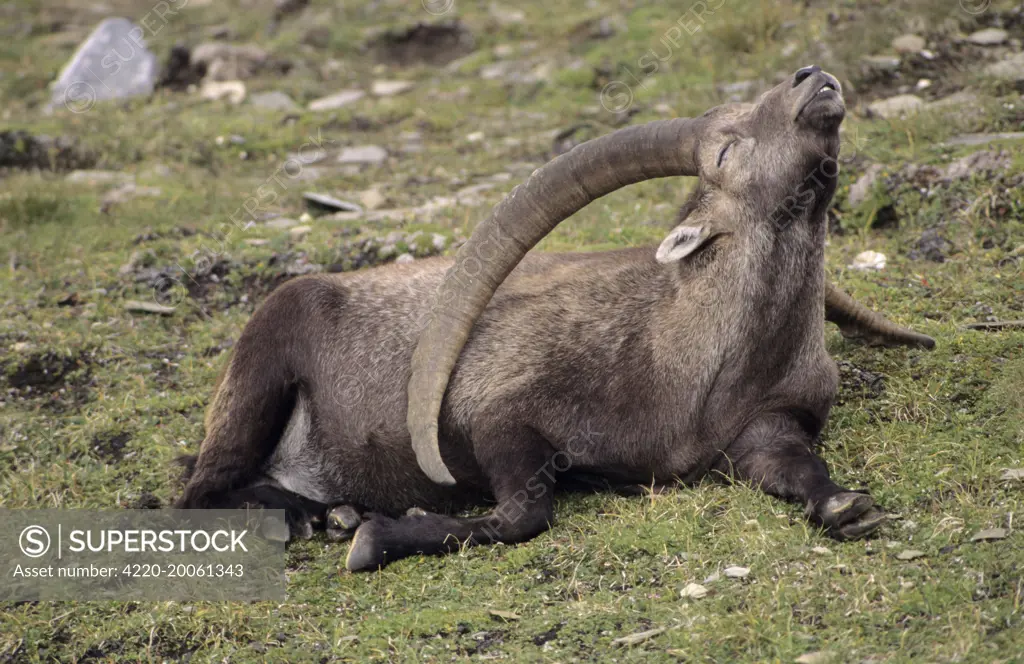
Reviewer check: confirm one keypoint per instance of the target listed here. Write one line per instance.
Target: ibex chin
(703, 356)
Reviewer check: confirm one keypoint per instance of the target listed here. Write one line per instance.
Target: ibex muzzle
(704, 355)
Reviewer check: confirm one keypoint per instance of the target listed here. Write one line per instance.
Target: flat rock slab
(988, 37)
(1010, 69)
(325, 202)
(275, 100)
(112, 63)
(337, 100)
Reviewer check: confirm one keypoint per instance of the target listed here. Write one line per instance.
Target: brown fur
(611, 364)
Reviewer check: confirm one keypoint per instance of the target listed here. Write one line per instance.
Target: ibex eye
(725, 151)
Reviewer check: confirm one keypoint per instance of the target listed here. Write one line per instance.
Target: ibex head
(749, 157)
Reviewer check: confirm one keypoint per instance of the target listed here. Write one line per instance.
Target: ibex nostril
(803, 73)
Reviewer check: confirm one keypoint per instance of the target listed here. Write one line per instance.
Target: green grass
(931, 446)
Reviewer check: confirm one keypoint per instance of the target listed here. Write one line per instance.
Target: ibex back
(702, 356)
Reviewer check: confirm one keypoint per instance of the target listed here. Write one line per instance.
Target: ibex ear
(683, 241)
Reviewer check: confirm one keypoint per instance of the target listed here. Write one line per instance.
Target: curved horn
(856, 321)
(530, 211)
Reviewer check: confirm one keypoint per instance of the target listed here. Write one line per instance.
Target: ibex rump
(661, 364)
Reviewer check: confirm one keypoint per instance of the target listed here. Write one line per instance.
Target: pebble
(897, 106)
(475, 137)
(363, 154)
(390, 88)
(337, 100)
(405, 258)
(908, 43)
(869, 260)
(300, 232)
(233, 91)
(909, 554)
(694, 591)
(988, 37)
(275, 100)
(736, 572)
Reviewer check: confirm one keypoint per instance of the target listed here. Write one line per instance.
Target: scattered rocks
(424, 43)
(323, 202)
(219, 61)
(363, 154)
(233, 91)
(1010, 69)
(977, 163)
(694, 591)
(868, 260)
(860, 189)
(391, 88)
(897, 106)
(931, 246)
(274, 100)
(908, 44)
(337, 100)
(90, 77)
(988, 37)
(19, 149)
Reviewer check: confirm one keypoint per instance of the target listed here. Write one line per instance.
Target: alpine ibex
(551, 367)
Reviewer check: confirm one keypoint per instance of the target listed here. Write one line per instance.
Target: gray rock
(325, 202)
(881, 62)
(405, 258)
(438, 241)
(988, 37)
(897, 106)
(337, 100)
(363, 154)
(275, 100)
(982, 162)
(113, 63)
(1010, 69)
(227, 62)
(390, 88)
(908, 44)
(981, 139)
(280, 223)
(860, 189)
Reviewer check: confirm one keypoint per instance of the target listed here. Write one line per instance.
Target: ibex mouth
(821, 98)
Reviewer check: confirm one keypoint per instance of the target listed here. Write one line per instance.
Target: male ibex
(613, 364)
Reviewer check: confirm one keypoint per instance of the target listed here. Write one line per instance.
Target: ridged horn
(856, 321)
(552, 194)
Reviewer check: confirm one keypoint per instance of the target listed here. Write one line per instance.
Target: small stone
(694, 591)
(305, 217)
(337, 100)
(909, 554)
(280, 223)
(988, 37)
(405, 258)
(438, 241)
(860, 189)
(1010, 69)
(329, 203)
(869, 260)
(371, 199)
(821, 550)
(639, 637)
(257, 242)
(908, 44)
(506, 16)
(300, 232)
(233, 91)
(475, 137)
(391, 88)
(923, 84)
(897, 106)
(99, 177)
(148, 307)
(881, 62)
(818, 657)
(363, 154)
(274, 100)
(1012, 474)
(989, 534)
(736, 572)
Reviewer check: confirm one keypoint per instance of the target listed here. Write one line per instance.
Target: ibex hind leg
(776, 454)
(522, 481)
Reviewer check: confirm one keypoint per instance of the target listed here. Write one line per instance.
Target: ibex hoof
(848, 515)
(366, 553)
(342, 522)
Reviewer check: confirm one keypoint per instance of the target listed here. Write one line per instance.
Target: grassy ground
(98, 400)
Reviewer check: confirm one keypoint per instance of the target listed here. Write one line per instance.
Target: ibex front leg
(776, 454)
